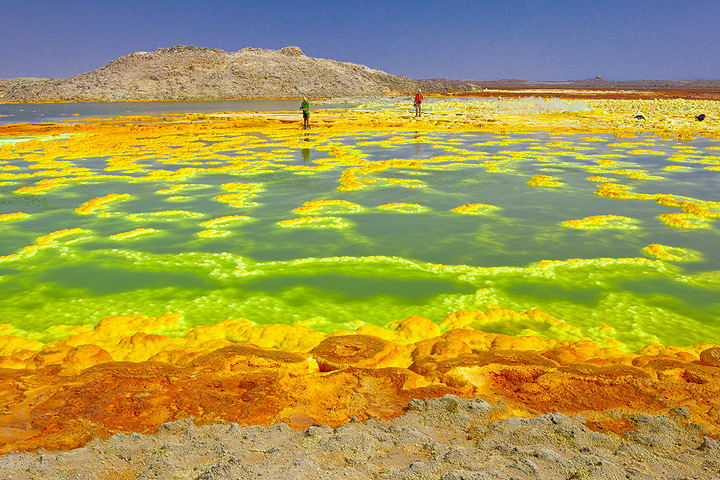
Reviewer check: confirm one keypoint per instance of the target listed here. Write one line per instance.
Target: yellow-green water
(362, 261)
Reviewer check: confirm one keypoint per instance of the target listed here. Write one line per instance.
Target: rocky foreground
(185, 72)
(448, 438)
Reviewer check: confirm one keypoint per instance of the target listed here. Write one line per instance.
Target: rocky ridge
(187, 72)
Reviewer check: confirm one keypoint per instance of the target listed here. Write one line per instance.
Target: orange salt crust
(65, 393)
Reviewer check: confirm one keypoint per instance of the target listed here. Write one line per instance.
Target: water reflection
(306, 152)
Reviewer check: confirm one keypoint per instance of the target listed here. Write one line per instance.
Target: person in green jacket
(305, 107)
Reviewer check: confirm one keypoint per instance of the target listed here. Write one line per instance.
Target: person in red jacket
(418, 103)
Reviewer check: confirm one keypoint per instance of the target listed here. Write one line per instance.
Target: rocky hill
(184, 72)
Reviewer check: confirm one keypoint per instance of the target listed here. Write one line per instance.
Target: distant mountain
(185, 72)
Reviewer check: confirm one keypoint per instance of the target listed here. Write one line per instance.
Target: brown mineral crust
(618, 425)
(448, 437)
(66, 435)
(459, 341)
(141, 342)
(515, 383)
(710, 357)
(241, 384)
(354, 351)
(437, 369)
(573, 394)
(74, 359)
(333, 398)
(117, 395)
(137, 397)
(141, 397)
(453, 343)
(416, 327)
(180, 357)
(583, 353)
(251, 398)
(644, 360)
(611, 372)
(11, 362)
(236, 358)
(51, 405)
(589, 388)
(449, 346)
(11, 391)
(677, 370)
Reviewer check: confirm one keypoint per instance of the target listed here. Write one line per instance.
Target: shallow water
(361, 260)
(58, 112)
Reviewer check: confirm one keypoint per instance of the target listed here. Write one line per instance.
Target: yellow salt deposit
(543, 181)
(9, 217)
(133, 233)
(684, 220)
(600, 221)
(166, 215)
(100, 203)
(474, 209)
(228, 219)
(328, 206)
(404, 207)
(674, 254)
(211, 233)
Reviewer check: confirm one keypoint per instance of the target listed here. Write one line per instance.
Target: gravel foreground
(447, 438)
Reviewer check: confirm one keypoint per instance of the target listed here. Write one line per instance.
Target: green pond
(371, 265)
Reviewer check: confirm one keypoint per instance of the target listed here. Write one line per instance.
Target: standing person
(418, 103)
(305, 107)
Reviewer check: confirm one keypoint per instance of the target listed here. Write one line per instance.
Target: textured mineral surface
(446, 438)
(552, 366)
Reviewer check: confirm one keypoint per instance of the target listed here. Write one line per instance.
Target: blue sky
(459, 39)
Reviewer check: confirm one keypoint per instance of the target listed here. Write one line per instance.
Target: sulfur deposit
(540, 280)
(105, 380)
